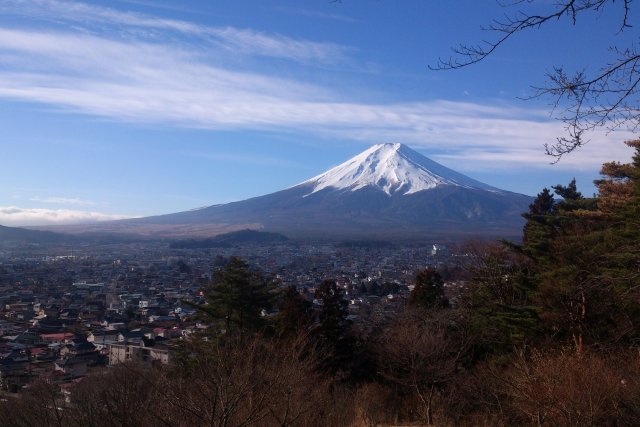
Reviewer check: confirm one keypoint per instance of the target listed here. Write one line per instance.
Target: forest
(544, 333)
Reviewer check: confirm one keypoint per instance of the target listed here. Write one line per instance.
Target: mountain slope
(387, 191)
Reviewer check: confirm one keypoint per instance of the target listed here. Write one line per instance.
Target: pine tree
(540, 228)
(333, 312)
(588, 278)
(428, 291)
(570, 192)
(334, 328)
(237, 297)
(294, 313)
(499, 301)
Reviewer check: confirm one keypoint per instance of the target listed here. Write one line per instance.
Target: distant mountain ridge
(229, 240)
(23, 235)
(387, 192)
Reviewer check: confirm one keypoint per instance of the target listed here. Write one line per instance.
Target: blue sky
(127, 108)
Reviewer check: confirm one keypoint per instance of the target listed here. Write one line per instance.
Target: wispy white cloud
(144, 80)
(590, 157)
(16, 216)
(244, 41)
(56, 200)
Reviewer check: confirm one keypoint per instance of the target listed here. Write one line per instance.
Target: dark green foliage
(428, 291)
(294, 313)
(334, 329)
(542, 205)
(570, 192)
(587, 291)
(540, 227)
(238, 297)
(332, 316)
(499, 302)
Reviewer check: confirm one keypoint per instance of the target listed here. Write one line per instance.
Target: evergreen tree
(570, 192)
(587, 276)
(498, 300)
(333, 312)
(237, 297)
(428, 291)
(294, 313)
(334, 328)
(540, 228)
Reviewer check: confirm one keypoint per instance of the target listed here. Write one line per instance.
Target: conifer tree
(499, 301)
(237, 297)
(428, 291)
(333, 312)
(334, 328)
(588, 278)
(539, 229)
(294, 313)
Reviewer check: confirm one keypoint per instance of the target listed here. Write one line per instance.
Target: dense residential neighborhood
(66, 311)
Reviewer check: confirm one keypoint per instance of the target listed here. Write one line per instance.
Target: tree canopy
(237, 297)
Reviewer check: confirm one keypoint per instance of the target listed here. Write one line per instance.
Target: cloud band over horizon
(14, 216)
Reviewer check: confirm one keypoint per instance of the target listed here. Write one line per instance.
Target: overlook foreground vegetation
(544, 333)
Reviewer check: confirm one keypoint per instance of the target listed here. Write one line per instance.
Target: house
(124, 352)
(58, 338)
(72, 366)
(102, 339)
(6, 327)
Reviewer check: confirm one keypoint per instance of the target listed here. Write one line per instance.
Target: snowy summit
(393, 169)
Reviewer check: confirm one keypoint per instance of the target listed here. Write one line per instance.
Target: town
(66, 311)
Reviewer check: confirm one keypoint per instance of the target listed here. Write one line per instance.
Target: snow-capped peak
(394, 169)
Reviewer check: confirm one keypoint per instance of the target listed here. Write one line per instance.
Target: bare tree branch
(608, 98)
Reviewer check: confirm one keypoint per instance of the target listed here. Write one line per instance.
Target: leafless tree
(569, 389)
(609, 97)
(250, 381)
(41, 404)
(123, 395)
(419, 355)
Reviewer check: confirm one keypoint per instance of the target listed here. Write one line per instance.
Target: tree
(540, 228)
(248, 381)
(428, 291)
(116, 397)
(585, 258)
(419, 354)
(334, 327)
(333, 312)
(238, 297)
(567, 389)
(498, 299)
(294, 313)
(568, 193)
(609, 97)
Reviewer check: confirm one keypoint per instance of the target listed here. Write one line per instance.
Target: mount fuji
(389, 191)
(392, 169)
